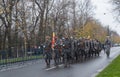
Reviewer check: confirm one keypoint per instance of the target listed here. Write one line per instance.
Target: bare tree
(26, 23)
(59, 16)
(86, 11)
(44, 8)
(117, 9)
(6, 17)
(81, 14)
(1, 38)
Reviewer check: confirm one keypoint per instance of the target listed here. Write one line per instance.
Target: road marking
(53, 67)
(50, 68)
(60, 65)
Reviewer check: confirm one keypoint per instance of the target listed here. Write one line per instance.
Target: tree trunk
(4, 40)
(0, 39)
(9, 42)
(41, 30)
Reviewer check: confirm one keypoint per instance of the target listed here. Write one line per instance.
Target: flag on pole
(53, 40)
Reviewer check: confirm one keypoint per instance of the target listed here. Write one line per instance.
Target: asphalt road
(85, 69)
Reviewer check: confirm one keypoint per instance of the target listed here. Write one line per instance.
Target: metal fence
(19, 56)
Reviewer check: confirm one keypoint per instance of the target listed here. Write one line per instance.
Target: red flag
(53, 40)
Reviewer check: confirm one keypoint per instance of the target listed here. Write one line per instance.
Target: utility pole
(108, 31)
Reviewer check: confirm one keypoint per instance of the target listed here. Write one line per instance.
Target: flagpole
(53, 39)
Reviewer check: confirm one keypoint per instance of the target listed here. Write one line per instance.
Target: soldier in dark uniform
(80, 49)
(66, 52)
(57, 54)
(87, 47)
(47, 54)
(108, 42)
(91, 50)
(107, 46)
(75, 50)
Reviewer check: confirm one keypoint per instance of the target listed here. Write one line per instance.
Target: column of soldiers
(69, 50)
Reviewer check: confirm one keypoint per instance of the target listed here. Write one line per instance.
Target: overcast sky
(104, 13)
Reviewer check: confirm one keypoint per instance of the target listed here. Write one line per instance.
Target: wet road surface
(87, 68)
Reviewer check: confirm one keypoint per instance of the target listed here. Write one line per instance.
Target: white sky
(104, 13)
